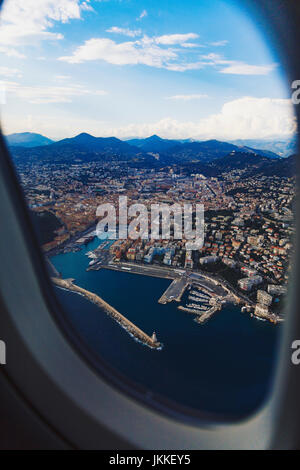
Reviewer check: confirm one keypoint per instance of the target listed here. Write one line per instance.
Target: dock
(111, 311)
(199, 299)
(175, 291)
(193, 311)
(134, 268)
(207, 315)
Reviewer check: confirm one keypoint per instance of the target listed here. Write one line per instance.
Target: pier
(193, 311)
(175, 291)
(207, 315)
(123, 321)
(134, 268)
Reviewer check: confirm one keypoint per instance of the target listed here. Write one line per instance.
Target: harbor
(206, 294)
(184, 339)
(206, 297)
(203, 303)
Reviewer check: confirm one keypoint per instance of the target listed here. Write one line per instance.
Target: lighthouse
(153, 337)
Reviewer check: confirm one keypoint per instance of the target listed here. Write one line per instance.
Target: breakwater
(123, 321)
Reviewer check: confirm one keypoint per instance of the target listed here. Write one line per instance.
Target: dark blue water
(223, 366)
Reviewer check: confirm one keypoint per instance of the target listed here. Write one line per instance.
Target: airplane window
(155, 144)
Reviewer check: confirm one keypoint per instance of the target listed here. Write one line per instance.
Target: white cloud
(250, 117)
(11, 52)
(49, 94)
(167, 51)
(190, 45)
(171, 39)
(127, 53)
(243, 118)
(143, 15)
(237, 68)
(246, 69)
(147, 51)
(125, 31)
(23, 22)
(186, 97)
(219, 43)
(62, 78)
(9, 72)
(47, 124)
(85, 6)
(215, 59)
(185, 66)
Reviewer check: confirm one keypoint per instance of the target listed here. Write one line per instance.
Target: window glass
(155, 144)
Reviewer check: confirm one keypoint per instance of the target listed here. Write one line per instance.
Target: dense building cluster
(248, 220)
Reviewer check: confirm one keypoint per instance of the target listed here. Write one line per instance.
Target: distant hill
(87, 142)
(153, 144)
(189, 150)
(82, 148)
(255, 165)
(168, 149)
(204, 151)
(250, 164)
(282, 147)
(28, 139)
(211, 157)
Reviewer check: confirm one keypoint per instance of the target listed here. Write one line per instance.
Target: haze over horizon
(135, 69)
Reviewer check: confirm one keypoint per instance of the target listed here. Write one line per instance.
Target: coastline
(173, 274)
(190, 276)
(190, 351)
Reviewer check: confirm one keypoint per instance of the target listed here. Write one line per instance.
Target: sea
(225, 366)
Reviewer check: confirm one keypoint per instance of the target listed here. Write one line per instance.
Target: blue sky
(180, 69)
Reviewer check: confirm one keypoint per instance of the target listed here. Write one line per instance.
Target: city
(249, 223)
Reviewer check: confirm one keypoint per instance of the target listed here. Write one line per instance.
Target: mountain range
(208, 157)
(283, 147)
(194, 150)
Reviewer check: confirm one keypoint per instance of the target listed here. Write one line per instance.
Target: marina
(205, 297)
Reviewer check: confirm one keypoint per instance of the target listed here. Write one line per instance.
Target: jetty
(175, 291)
(201, 296)
(193, 311)
(198, 307)
(199, 299)
(111, 311)
(207, 315)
